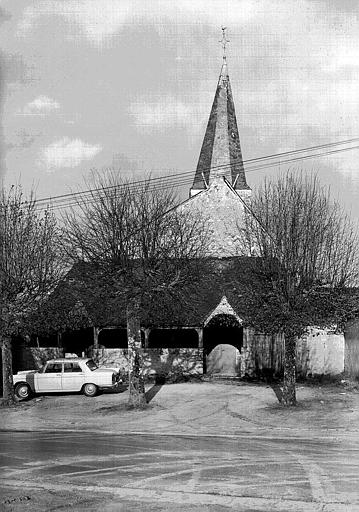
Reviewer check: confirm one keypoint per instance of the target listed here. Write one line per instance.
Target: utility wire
(179, 181)
(177, 176)
(176, 180)
(161, 186)
(274, 155)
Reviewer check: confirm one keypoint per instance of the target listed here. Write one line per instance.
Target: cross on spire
(224, 41)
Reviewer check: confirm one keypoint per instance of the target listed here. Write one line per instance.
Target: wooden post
(147, 335)
(247, 336)
(200, 336)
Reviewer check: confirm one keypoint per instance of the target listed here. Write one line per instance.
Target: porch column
(147, 334)
(200, 336)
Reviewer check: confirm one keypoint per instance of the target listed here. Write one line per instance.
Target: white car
(66, 375)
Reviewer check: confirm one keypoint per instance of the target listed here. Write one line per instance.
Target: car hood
(26, 372)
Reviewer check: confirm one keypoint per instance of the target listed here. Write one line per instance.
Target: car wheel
(23, 391)
(90, 390)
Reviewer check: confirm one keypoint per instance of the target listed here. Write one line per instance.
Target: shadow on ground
(152, 392)
(277, 391)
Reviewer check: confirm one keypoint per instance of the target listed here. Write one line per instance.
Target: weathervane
(224, 41)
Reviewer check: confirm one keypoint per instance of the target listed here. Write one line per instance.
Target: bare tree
(30, 268)
(143, 244)
(308, 257)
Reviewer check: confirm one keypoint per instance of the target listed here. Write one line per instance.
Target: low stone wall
(110, 357)
(164, 362)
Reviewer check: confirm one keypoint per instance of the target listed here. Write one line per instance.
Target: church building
(215, 338)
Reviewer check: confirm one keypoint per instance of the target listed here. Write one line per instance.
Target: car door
(73, 377)
(50, 379)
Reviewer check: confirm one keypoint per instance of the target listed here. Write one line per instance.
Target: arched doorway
(222, 343)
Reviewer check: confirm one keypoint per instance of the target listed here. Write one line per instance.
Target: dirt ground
(199, 407)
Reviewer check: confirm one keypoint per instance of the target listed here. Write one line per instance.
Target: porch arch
(222, 344)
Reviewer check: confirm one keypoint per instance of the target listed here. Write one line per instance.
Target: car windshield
(91, 364)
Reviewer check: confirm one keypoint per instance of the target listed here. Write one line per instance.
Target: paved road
(85, 471)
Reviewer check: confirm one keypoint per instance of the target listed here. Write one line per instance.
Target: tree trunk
(137, 398)
(8, 385)
(289, 395)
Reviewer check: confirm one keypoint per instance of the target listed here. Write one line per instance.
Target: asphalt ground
(86, 471)
(196, 447)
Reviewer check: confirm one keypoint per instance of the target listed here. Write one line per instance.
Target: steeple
(221, 154)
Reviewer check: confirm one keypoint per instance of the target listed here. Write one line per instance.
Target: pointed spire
(221, 151)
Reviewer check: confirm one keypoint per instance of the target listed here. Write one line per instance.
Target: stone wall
(164, 362)
(116, 357)
(223, 214)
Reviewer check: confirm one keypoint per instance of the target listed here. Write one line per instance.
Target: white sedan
(66, 375)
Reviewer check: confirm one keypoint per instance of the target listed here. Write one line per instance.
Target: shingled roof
(221, 151)
(105, 305)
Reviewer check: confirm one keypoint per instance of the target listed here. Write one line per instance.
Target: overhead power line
(176, 181)
(248, 161)
(186, 177)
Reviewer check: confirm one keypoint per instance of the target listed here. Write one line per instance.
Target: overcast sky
(129, 84)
